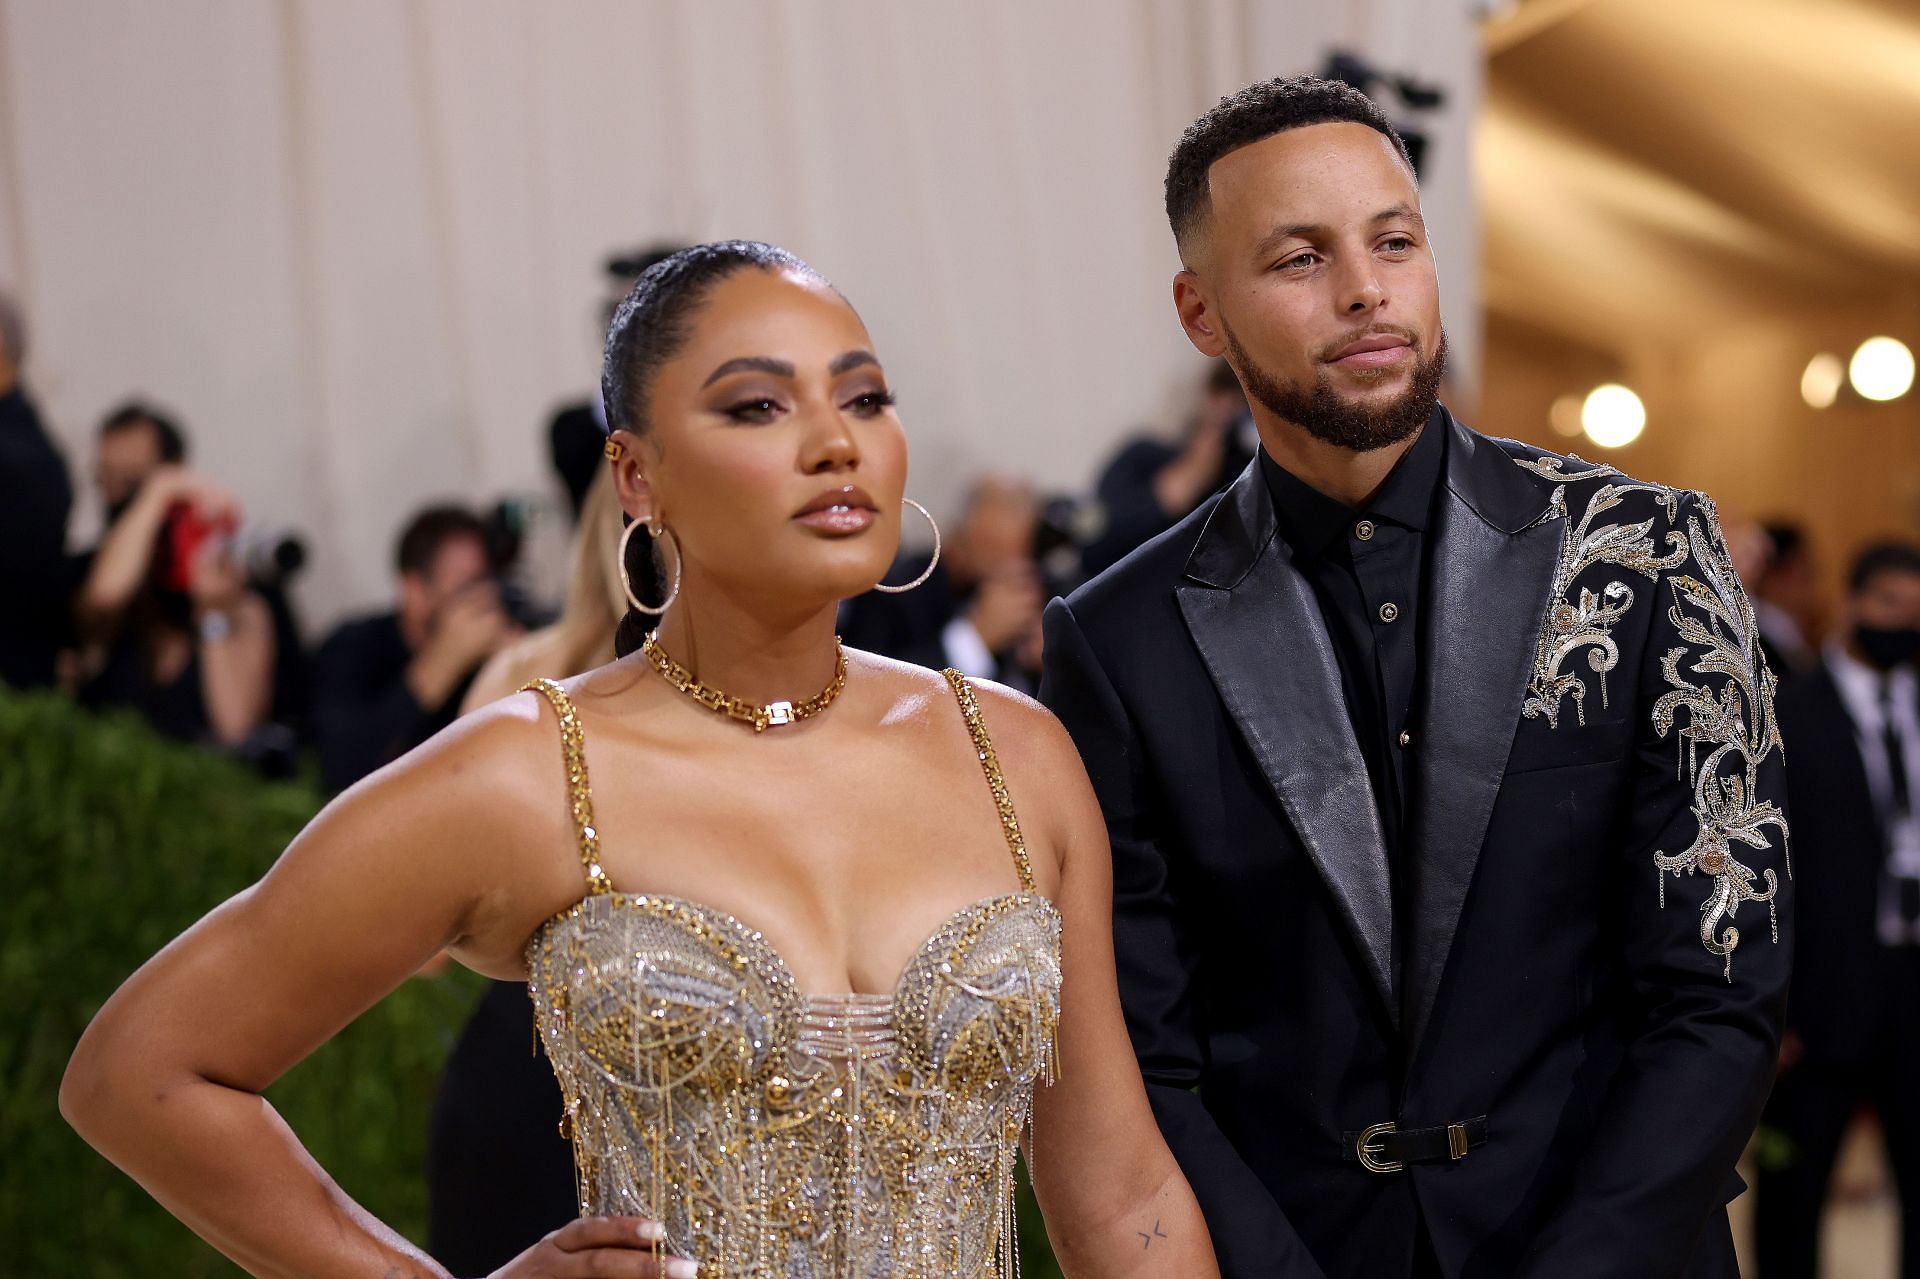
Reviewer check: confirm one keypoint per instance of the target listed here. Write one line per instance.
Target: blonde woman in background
(582, 637)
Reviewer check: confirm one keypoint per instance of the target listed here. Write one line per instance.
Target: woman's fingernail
(652, 1230)
(681, 1268)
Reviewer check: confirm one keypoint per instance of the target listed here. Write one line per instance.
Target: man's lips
(1376, 350)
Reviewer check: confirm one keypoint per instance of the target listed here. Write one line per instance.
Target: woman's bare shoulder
(1025, 733)
(481, 804)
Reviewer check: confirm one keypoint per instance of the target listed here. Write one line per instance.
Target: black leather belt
(1389, 1148)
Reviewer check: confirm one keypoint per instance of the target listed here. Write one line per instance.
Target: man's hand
(215, 581)
(469, 629)
(1006, 608)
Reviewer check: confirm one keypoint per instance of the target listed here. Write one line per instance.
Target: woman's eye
(872, 402)
(752, 410)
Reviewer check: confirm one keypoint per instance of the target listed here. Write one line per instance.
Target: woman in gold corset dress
(815, 938)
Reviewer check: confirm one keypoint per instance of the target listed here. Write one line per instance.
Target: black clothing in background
(364, 715)
(1856, 1002)
(499, 1174)
(575, 440)
(1132, 509)
(1366, 566)
(905, 627)
(176, 709)
(911, 627)
(36, 496)
(1533, 968)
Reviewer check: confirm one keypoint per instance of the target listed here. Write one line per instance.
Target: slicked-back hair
(1256, 112)
(648, 329)
(651, 325)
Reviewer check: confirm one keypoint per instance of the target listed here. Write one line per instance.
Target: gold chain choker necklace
(761, 716)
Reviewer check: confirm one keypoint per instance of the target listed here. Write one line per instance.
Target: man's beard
(1324, 414)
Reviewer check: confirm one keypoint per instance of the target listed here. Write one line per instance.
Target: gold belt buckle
(1366, 1149)
(1457, 1144)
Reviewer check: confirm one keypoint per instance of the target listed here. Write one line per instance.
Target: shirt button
(1389, 612)
(1406, 739)
(1364, 530)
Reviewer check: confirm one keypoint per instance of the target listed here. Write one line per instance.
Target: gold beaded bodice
(781, 1135)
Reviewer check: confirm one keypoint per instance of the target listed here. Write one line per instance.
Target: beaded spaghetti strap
(990, 764)
(573, 746)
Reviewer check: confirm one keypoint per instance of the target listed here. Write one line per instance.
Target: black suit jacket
(1836, 831)
(1587, 957)
(35, 499)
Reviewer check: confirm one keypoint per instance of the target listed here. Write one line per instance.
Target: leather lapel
(1489, 576)
(1261, 634)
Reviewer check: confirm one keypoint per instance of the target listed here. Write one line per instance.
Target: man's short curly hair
(1256, 112)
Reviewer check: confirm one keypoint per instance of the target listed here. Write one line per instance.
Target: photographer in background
(1151, 485)
(979, 610)
(35, 498)
(386, 683)
(165, 619)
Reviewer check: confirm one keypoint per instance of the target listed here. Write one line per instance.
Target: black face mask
(1888, 647)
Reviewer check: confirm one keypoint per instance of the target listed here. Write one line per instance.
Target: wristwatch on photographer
(215, 625)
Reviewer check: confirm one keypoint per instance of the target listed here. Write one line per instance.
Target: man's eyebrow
(1309, 230)
(1281, 234)
(745, 363)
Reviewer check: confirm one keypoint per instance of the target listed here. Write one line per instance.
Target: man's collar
(1311, 521)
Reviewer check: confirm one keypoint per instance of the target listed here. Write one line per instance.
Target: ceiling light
(1820, 384)
(1882, 369)
(1613, 416)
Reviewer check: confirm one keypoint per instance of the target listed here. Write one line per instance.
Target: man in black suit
(1441, 776)
(36, 497)
(1854, 1022)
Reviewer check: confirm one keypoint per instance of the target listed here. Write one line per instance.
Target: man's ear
(1197, 316)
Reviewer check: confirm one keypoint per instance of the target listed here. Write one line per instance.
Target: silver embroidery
(1551, 467)
(1586, 620)
(1736, 727)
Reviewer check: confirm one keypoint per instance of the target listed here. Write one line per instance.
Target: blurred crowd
(183, 612)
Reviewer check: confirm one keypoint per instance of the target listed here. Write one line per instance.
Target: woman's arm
(446, 847)
(235, 641)
(1116, 1203)
(126, 552)
(236, 667)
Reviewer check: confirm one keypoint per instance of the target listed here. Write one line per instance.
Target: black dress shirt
(1366, 566)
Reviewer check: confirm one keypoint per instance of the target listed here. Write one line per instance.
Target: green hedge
(111, 842)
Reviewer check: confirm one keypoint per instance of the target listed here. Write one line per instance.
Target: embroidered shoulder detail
(1551, 466)
(1723, 736)
(1584, 620)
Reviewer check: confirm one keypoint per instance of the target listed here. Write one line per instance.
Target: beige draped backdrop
(355, 244)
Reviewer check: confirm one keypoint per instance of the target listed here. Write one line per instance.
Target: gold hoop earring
(928, 571)
(626, 582)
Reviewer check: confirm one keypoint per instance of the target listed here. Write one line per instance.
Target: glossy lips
(840, 512)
